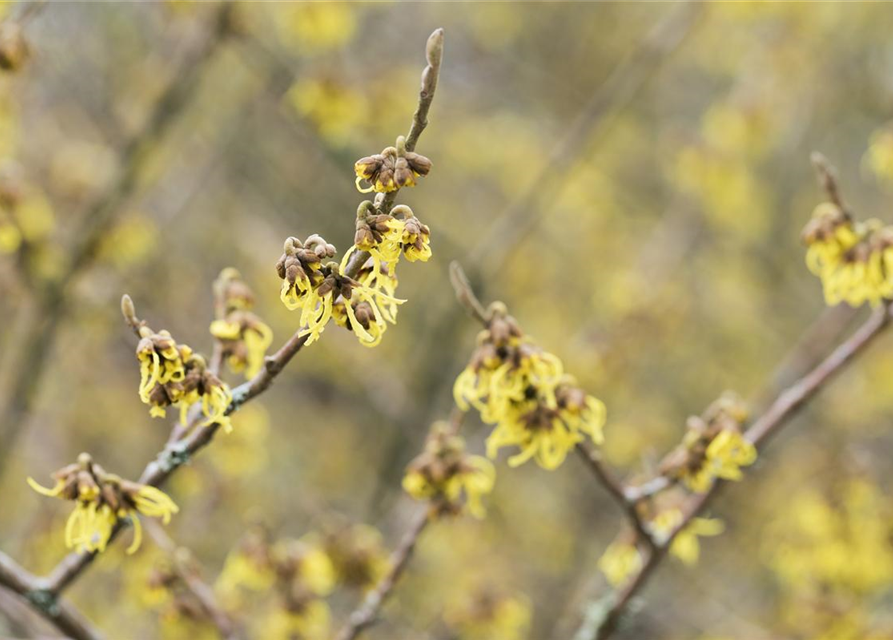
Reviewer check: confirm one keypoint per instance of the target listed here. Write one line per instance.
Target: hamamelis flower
(243, 336)
(620, 561)
(387, 236)
(444, 473)
(315, 289)
(485, 614)
(523, 391)
(102, 499)
(306, 620)
(357, 554)
(248, 566)
(377, 233)
(392, 169)
(546, 428)
(415, 237)
(685, 545)
(713, 446)
(854, 260)
(363, 305)
(300, 268)
(172, 375)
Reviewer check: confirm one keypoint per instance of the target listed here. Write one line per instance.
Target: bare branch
(59, 612)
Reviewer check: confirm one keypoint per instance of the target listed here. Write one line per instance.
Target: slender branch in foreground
(184, 565)
(367, 613)
(64, 616)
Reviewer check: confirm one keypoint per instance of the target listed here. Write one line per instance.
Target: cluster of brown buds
(300, 268)
(242, 335)
(172, 374)
(444, 473)
(14, 50)
(102, 499)
(713, 446)
(392, 169)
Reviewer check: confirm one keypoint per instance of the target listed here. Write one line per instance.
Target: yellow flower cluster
(620, 561)
(317, 288)
(299, 571)
(392, 169)
(102, 499)
(386, 237)
(685, 545)
(443, 473)
(713, 446)
(243, 336)
(524, 391)
(854, 260)
(172, 375)
(487, 613)
(831, 552)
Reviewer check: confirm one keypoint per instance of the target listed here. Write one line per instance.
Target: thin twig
(367, 613)
(593, 459)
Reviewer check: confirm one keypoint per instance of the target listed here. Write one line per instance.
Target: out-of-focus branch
(185, 568)
(24, 365)
(59, 612)
(367, 613)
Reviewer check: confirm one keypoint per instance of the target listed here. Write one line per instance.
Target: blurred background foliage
(658, 256)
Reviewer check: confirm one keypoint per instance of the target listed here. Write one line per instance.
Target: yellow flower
(242, 335)
(727, 453)
(445, 473)
(391, 169)
(685, 545)
(308, 620)
(854, 260)
(102, 499)
(619, 562)
(523, 390)
(484, 615)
